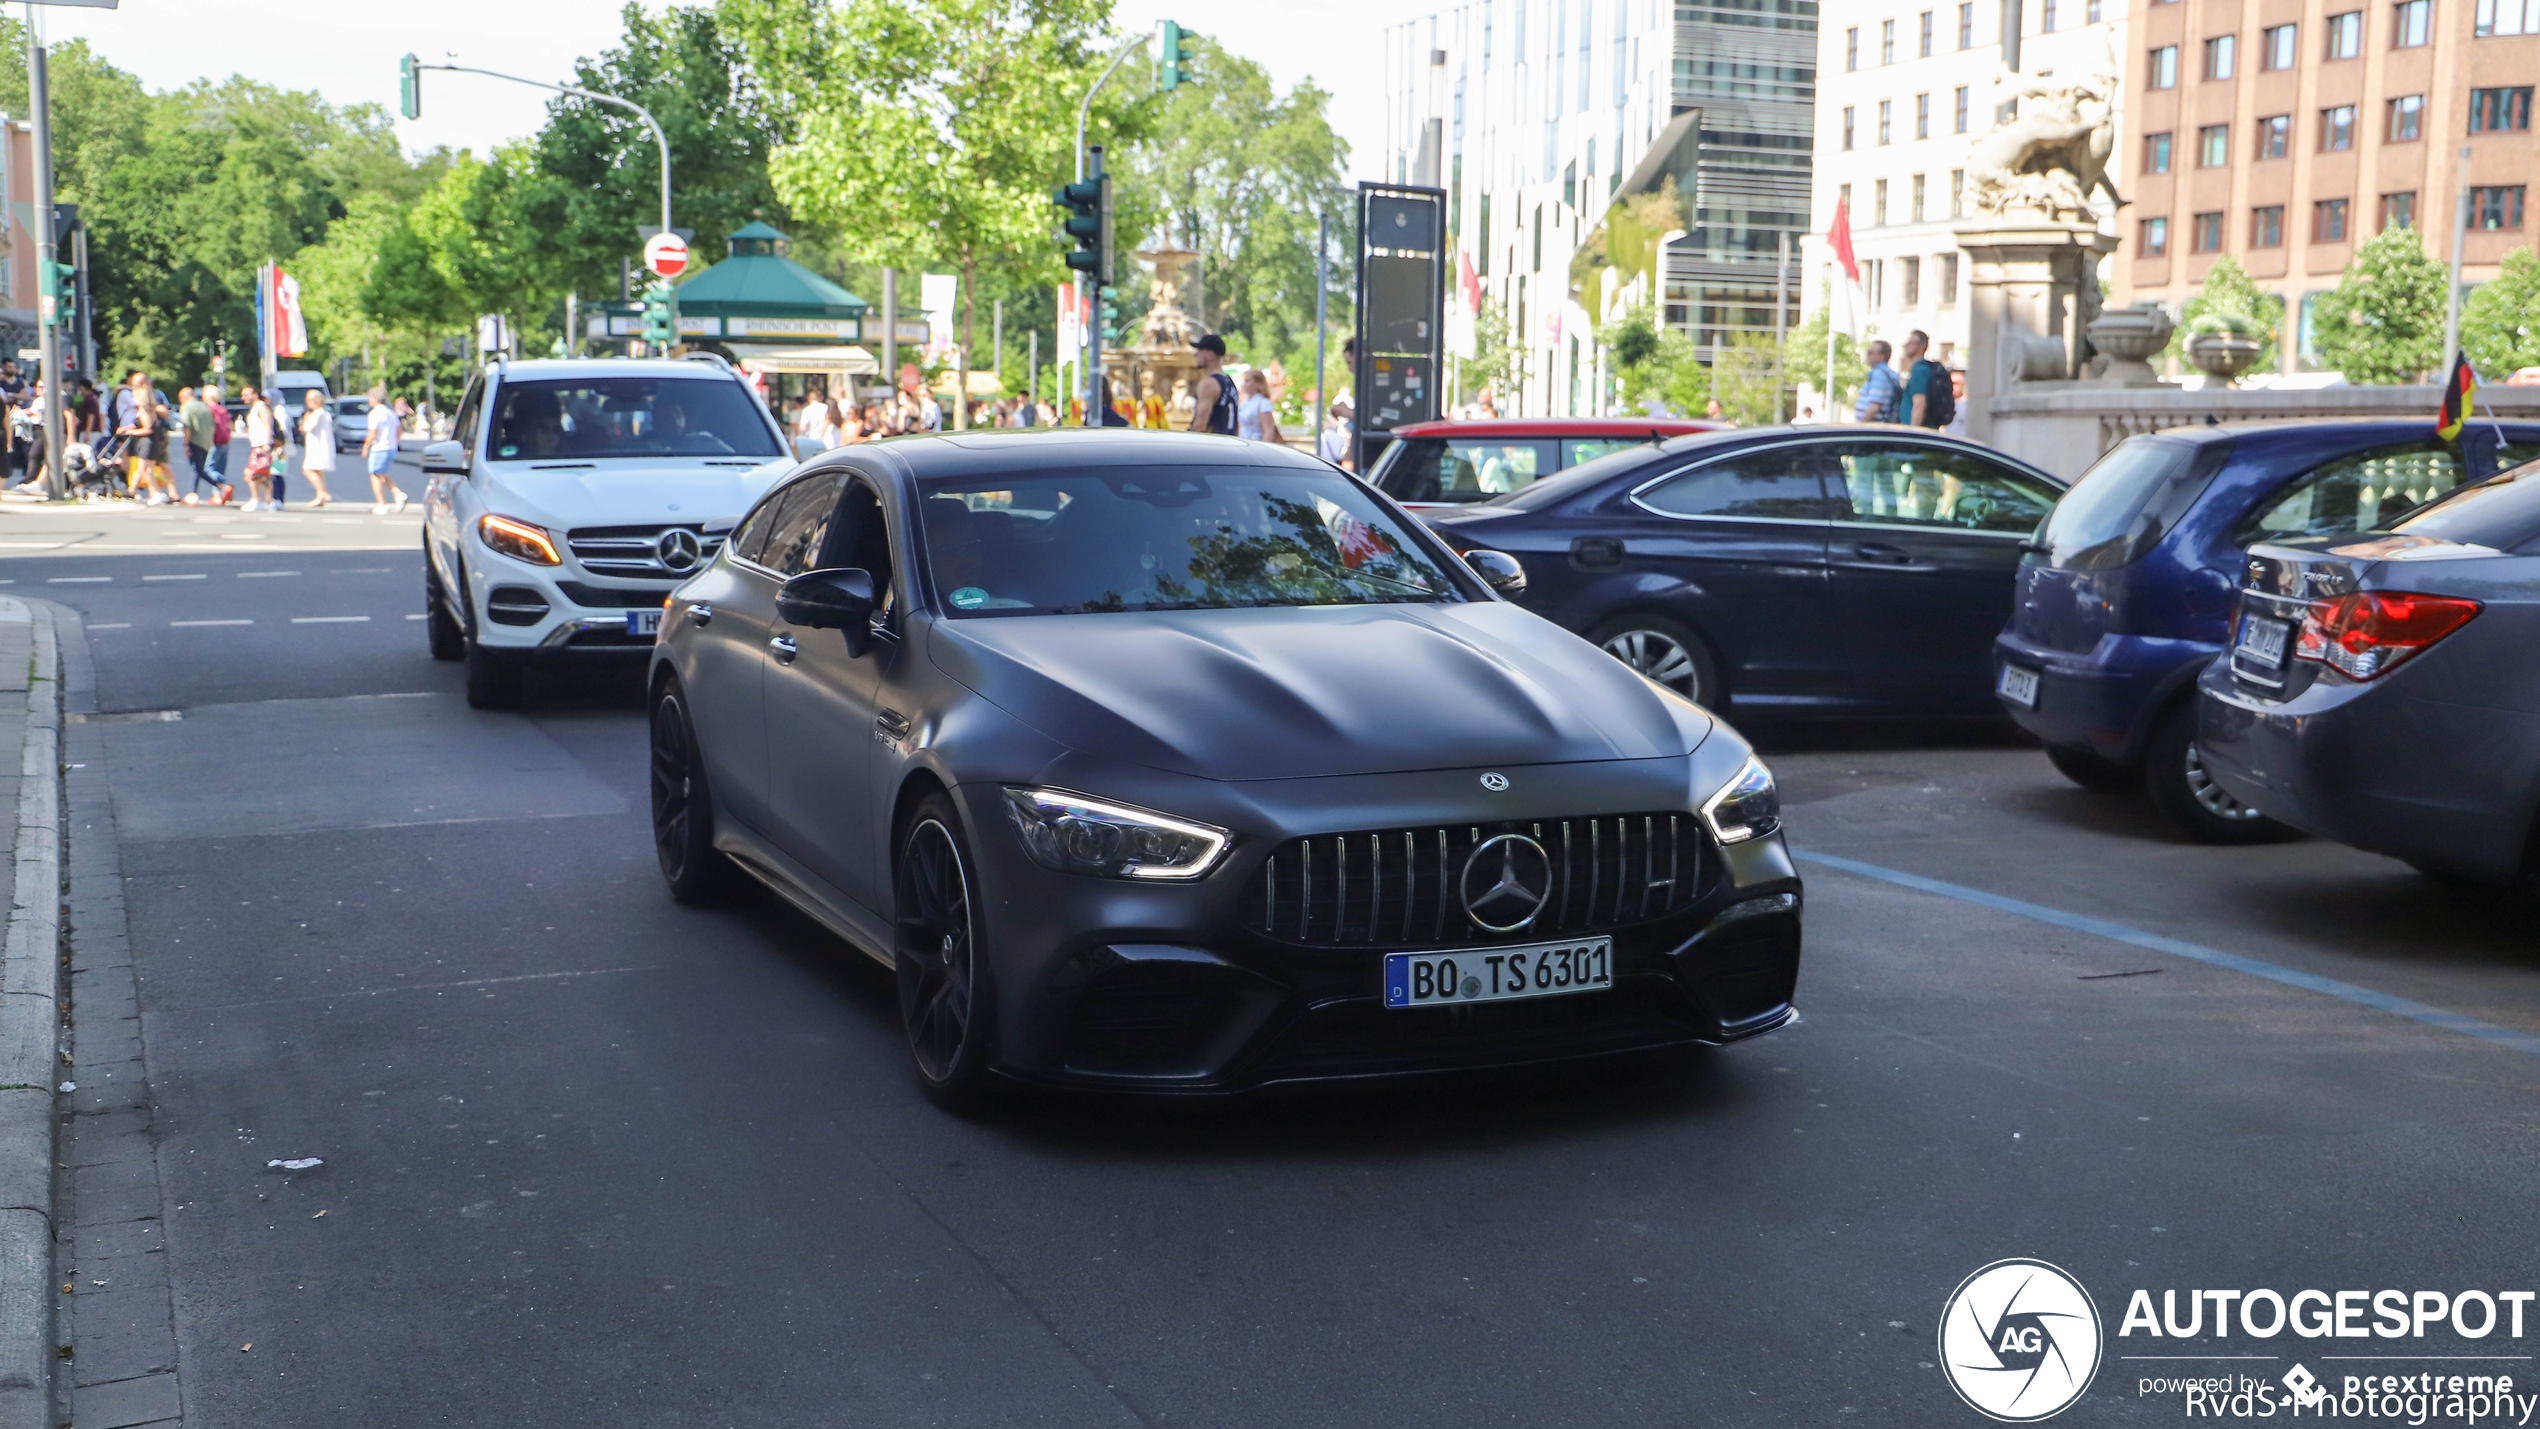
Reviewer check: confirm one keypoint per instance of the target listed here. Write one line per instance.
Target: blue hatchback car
(2126, 592)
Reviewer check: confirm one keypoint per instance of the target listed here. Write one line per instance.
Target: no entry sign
(666, 254)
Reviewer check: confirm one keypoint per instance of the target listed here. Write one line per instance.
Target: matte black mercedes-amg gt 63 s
(1180, 763)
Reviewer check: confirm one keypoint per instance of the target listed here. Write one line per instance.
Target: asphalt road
(592, 1157)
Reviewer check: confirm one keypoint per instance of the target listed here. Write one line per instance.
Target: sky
(348, 52)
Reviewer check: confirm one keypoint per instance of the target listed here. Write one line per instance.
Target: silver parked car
(352, 422)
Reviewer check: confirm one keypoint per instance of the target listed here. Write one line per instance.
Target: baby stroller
(86, 477)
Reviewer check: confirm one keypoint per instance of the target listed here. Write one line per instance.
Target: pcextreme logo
(2019, 1341)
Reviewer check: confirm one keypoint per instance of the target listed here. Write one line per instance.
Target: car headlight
(517, 539)
(1074, 834)
(1746, 807)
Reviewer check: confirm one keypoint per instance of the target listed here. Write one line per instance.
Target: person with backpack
(1929, 402)
(216, 456)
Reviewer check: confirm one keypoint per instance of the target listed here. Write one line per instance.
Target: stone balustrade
(2065, 426)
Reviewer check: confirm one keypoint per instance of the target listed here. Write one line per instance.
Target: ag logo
(2019, 1341)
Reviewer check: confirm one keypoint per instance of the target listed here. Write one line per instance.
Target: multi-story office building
(1912, 87)
(2284, 132)
(1535, 115)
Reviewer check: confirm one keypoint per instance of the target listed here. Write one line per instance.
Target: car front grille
(636, 550)
(1401, 887)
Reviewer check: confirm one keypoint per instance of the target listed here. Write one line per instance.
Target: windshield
(576, 419)
(1167, 538)
(2119, 508)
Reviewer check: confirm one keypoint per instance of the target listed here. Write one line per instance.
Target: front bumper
(2102, 699)
(552, 612)
(1169, 988)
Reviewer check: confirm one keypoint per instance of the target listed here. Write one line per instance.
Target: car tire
(2174, 775)
(945, 993)
(699, 874)
(440, 627)
(1665, 651)
(2095, 772)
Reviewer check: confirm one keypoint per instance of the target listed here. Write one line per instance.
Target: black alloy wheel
(1664, 651)
(441, 628)
(942, 973)
(2174, 775)
(683, 809)
(2094, 771)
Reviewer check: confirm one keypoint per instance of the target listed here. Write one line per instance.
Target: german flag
(2457, 394)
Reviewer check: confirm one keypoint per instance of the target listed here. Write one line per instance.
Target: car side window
(1906, 484)
(1778, 484)
(1467, 469)
(2356, 492)
(1578, 449)
(860, 537)
(801, 526)
(463, 429)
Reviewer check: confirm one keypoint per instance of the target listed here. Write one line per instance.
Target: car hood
(627, 493)
(1304, 692)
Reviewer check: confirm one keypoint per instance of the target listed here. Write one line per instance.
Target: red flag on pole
(1839, 238)
(1472, 284)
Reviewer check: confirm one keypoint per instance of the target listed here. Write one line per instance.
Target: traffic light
(1176, 64)
(1110, 320)
(409, 87)
(1088, 221)
(661, 315)
(57, 284)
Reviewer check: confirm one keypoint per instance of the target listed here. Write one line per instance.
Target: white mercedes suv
(572, 498)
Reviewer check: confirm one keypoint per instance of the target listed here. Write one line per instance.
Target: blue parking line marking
(2504, 1037)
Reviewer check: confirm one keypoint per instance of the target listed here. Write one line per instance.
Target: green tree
(1497, 363)
(2228, 291)
(2500, 324)
(1804, 355)
(2383, 322)
(1746, 376)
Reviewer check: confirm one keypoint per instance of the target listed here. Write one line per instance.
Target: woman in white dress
(317, 442)
(1255, 417)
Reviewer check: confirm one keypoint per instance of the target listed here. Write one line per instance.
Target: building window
(2509, 17)
(1570, 184)
(2156, 153)
(2399, 210)
(2275, 47)
(2275, 136)
(2411, 23)
(2498, 110)
(2155, 239)
(2090, 12)
(1878, 282)
(1887, 111)
(1967, 26)
(2496, 207)
(2328, 221)
(1917, 209)
(2407, 118)
(2346, 35)
(1948, 280)
(1843, 197)
(1957, 193)
(1887, 42)
(1960, 120)
(1922, 116)
(1924, 47)
(2266, 226)
(1878, 204)
(2213, 146)
(1852, 48)
(2337, 128)
(2164, 68)
(2046, 17)
(2208, 235)
(1913, 284)
(1847, 126)
(2220, 53)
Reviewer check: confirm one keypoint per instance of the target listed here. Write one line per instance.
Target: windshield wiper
(730, 461)
(562, 465)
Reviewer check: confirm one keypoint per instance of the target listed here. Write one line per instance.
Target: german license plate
(643, 622)
(2262, 641)
(2018, 685)
(1498, 974)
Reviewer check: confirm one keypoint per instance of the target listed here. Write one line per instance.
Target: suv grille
(637, 550)
(1401, 886)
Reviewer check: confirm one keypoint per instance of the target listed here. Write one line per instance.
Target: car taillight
(2368, 632)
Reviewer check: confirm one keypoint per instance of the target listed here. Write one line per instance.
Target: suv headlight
(517, 539)
(1074, 834)
(1746, 807)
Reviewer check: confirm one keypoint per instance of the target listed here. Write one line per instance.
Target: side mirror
(805, 448)
(445, 459)
(840, 599)
(1498, 570)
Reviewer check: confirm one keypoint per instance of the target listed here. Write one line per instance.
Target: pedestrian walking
(1956, 426)
(194, 415)
(262, 429)
(222, 432)
(1213, 399)
(1334, 446)
(1880, 389)
(317, 447)
(379, 449)
(1929, 401)
(143, 432)
(1256, 416)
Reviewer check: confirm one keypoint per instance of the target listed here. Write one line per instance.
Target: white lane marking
(242, 535)
(181, 623)
(328, 619)
(176, 578)
(76, 580)
(121, 625)
(364, 571)
(418, 617)
(260, 575)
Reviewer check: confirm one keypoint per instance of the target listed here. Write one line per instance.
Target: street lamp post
(640, 112)
(48, 340)
(1092, 374)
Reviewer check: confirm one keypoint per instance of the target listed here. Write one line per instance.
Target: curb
(30, 1040)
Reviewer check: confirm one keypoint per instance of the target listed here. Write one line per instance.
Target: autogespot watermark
(2021, 1341)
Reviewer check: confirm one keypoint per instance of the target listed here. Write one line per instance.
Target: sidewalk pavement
(31, 1037)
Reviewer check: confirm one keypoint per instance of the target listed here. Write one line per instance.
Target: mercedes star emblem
(1506, 882)
(1496, 783)
(678, 549)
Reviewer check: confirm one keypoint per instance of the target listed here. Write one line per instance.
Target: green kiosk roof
(759, 281)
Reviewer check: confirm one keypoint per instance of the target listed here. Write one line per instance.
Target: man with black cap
(1213, 395)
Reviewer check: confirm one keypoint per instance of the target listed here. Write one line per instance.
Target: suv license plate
(2018, 685)
(643, 622)
(2262, 641)
(1498, 974)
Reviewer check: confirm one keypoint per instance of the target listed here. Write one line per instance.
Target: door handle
(1881, 551)
(701, 613)
(784, 647)
(892, 723)
(1597, 550)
